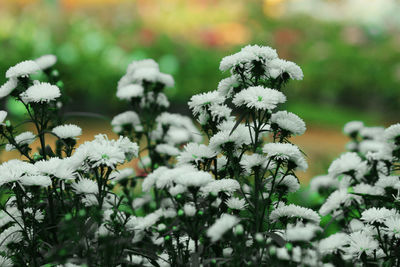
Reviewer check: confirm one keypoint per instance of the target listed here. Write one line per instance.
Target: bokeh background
(349, 51)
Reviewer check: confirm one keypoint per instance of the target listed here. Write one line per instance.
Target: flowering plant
(218, 196)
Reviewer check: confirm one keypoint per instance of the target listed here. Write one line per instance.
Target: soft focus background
(349, 51)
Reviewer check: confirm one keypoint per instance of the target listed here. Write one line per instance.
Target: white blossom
(259, 98)
(23, 69)
(221, 226)
(294, 211)
(8, 87)
(286, 152)
(46, 61)
(67, 131)
(278, 67)
(41, 93)
(85, 186)
(130, 91)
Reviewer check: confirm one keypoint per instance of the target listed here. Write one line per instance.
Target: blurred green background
(349, 51)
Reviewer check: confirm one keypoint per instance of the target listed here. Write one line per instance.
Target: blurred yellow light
(274, 8)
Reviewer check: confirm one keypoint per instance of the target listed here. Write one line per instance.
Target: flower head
(221, 226)
(8, 87)
(259, 98)
(67, 131)
(46, 61)
(289, 122)
(286, 152)
(85, 186)
(41, 93)
(23, 69)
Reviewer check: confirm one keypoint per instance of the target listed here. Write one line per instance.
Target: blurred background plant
(349, 51)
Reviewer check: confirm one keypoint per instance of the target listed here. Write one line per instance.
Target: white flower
(248, 162)
(41, 93)
(301, 232)
(289, 122)
(289, 183)
(3, 115)
(348, 162)
(139, 64)
(119, 175)
(85, 186)
(379, 215)
(25, 138)
(11, 235)
(259, 98)
(64, 169)
(366, 146)
(67, 131)
(226, 86)
(151, 98)
(286, 152)
(167, 150)
(246, 56)
(130, 91)
(374, 133)
(36, 180)
(368, 189)
(46, 61)
(278, 67)
(220, 112)
(168, 177)
(222, 185)
(6, 262)
(236, 203)
(151, 74)
(239, 137)
(196, 153)
(202, 101)
(177, 189)
(393, 226)
(194, 178)
(388, 182)
(189, 209)
(221, 226)
(360, 243)
(323, 181)
(149, 220)
(333, 243)
(23, 69)
(338, 199)
(294, 211)
(151, 179)
(13, 170)
(8, 87)
(392, 133)
(126, 118)
(353, 127)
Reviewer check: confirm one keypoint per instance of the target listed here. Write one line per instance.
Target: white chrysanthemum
(6, 262)
(374, 133)
(247, 55)
(8, 87)
(46, 61)
(220, 111)
(67, 131)
(152, 75)
(202, 101)
(379, 215)
(141, 201)
(221, 226)
(259, 98)
(294, 211)
(119, 175)
(374, 146)
(301, 232)
(196, 153)
(167, 150)
(85, 186)
(353, 127)
(368, 189)
(194, 178)
(225, 86)
(222, 185)
(278, 67)
(289, 184)
(248, 162)
(41, 93)
(323, 181)
(168, 177)
(13, 170)
(360, 243)
(239, 137)
(151, 179)
(333, 243)
(288, 121)
(126, 118)
(11, 235)
(236, 203)
(149, 220)
(348, 162)
(392, 132)
(23, 69)
(388, 182)
(139, 64)
(338, 199)
(3, 115)
(36, 180)
(25, 138)
(393, 226)
(286, 152)
(189, 209)
(130, 91)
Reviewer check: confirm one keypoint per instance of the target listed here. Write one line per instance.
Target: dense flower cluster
(215, 197)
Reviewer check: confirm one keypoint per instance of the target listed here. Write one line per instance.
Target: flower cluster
(362, 189)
